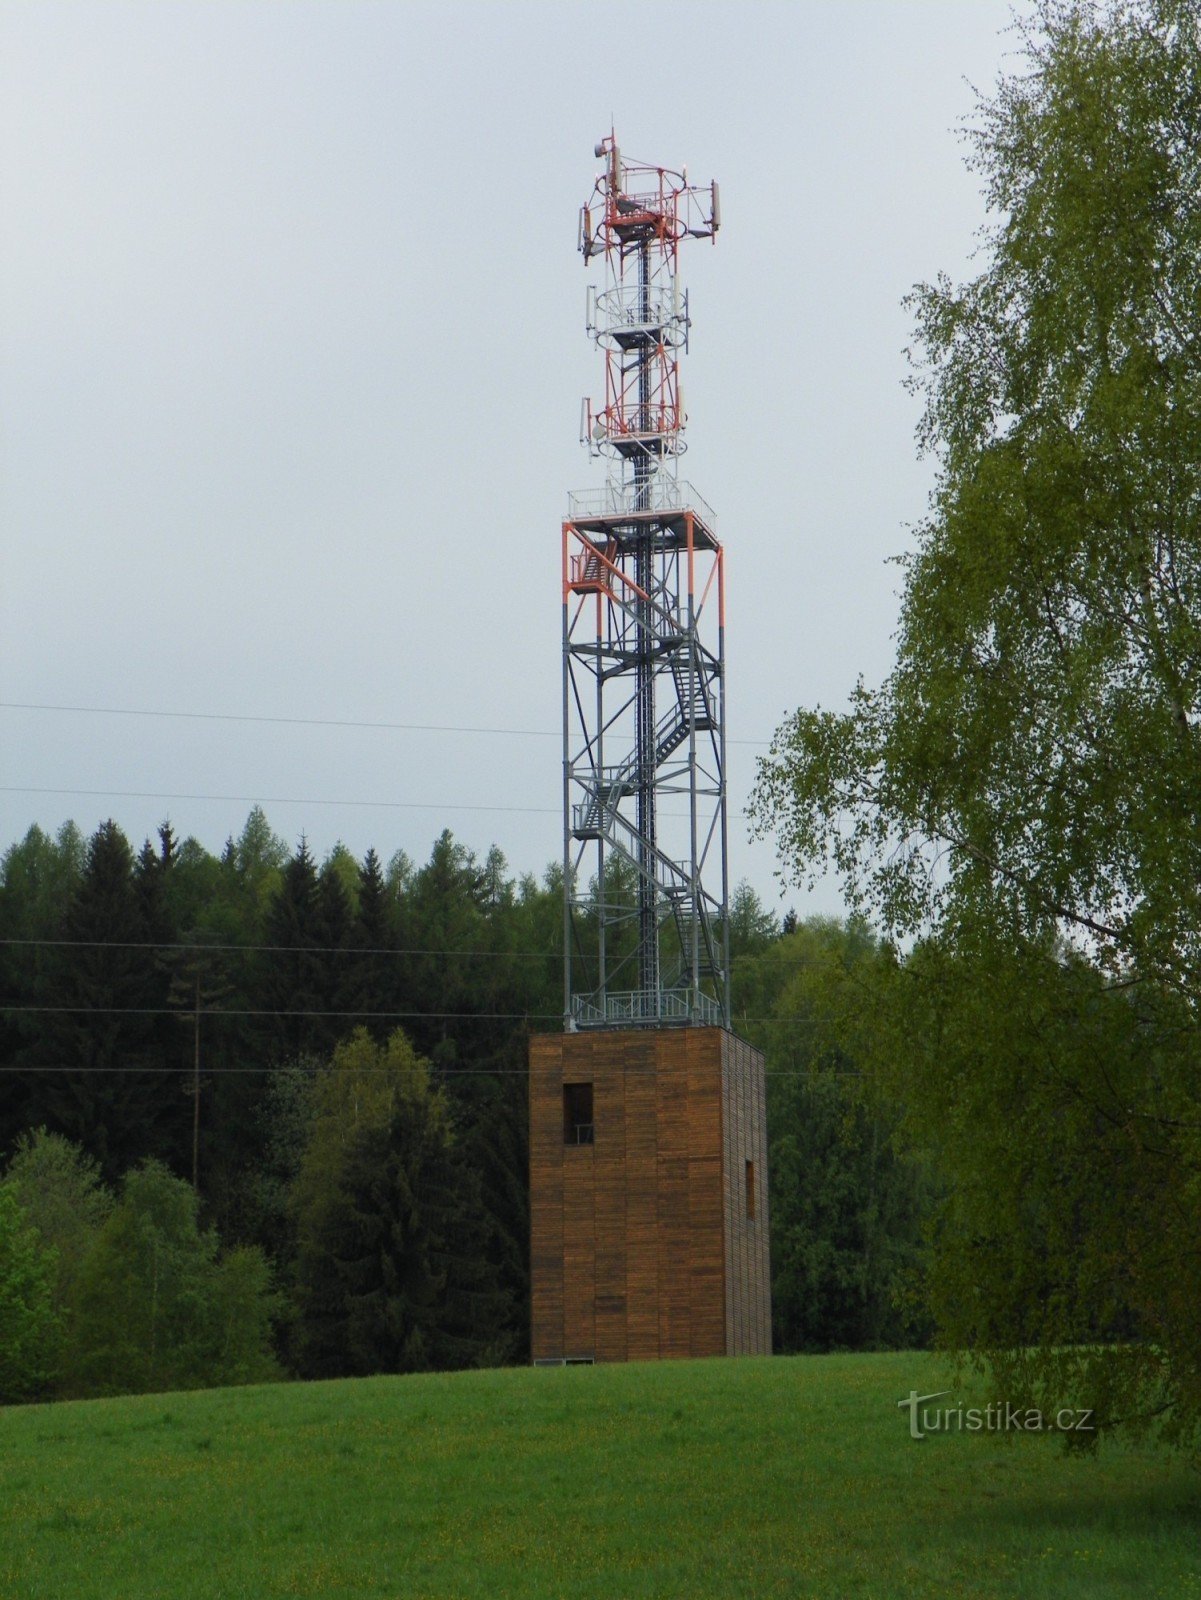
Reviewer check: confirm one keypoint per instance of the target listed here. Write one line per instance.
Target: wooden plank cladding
(641, 1247)
(747, 1257)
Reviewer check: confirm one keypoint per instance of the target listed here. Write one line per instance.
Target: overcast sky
(293, 352)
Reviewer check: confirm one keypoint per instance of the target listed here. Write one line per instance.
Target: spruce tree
(291, 975)
(374, 977)
(396, 1267)
(98, 1075)
(37, 878)
(333, 968)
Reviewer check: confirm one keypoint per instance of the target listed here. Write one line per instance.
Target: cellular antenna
(645, 857)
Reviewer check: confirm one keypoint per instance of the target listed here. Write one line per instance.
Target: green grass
(682, 1480)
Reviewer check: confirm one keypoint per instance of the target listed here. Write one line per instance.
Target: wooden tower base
(648, 1196)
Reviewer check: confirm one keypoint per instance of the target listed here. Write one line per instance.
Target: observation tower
(644, 794)
(648, 1124)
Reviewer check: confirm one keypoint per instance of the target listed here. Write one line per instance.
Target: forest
(261, 1114)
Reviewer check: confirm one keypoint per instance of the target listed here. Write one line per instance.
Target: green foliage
(752, 926)
(393, 1272)
(37, 879)
(1028, 772)
(847, 1224)
(127, 936)
(64, 1200)
(494, 1148)
(446, 909)
(1033, 759)
(847, 1206)
(38, 876)
(28, 1324)
(342, 865)
(371, 972)
(243, 1309)
(257, 1207)
(94, 1069)
(157, 1309)
(1061, 1112)
(130, 936)
(256, 861)
(293, 973)
(360, 1087)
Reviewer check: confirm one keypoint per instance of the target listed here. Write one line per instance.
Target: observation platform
(664, 502)
(644, 1008)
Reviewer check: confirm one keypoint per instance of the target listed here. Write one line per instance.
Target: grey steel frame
(653, 635)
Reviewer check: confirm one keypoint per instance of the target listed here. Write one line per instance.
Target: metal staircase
(690, 711)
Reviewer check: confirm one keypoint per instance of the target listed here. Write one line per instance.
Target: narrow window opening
(577, 1113)
(750, 1191)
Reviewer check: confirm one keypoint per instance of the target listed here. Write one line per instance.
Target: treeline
(329, 1060)
(182, 1007)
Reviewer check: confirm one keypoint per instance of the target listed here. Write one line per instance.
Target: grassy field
(748, 1478)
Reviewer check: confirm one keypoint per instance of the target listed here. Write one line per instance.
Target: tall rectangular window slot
(577, 1113)
(750, 1191)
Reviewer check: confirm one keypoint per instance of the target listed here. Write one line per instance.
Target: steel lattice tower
(644, 794)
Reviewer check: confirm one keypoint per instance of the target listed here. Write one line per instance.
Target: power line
(365, 805)
(196, 947)
(186, 1011)
(445, 1072)
(293, 800)
(271, 1011)
(199, 948)
(303, 722)
(294, 722)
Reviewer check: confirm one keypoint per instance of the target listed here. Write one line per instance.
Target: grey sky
(293, 351)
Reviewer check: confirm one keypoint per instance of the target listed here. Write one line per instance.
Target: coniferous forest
(261, 1114)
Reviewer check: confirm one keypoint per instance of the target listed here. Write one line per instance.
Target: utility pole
(196, 1085)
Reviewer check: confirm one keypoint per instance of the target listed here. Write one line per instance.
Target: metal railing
(670, 876)
(632, 1006)
(629, 308)
(652, 203)
(660, 493)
